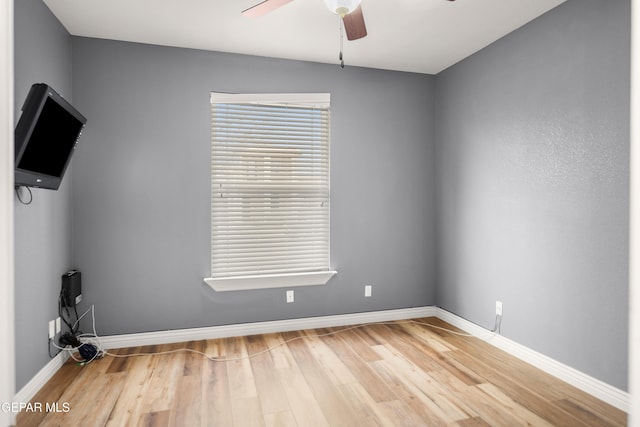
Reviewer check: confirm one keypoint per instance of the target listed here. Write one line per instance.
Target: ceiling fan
(349, 10)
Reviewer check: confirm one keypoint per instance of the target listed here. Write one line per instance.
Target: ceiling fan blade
(354, 24)
(264, 7)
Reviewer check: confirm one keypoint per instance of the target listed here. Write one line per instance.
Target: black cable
(61, 302)
(20, 198)
(75, 309)
(49, 345)
(73, 329)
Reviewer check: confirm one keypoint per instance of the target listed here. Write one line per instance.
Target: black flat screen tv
(45, 137)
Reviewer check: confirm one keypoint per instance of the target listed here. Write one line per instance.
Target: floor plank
(273, 398)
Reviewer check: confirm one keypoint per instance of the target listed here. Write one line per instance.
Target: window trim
(269, 281)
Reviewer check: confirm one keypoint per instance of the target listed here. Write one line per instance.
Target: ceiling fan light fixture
(342, 7)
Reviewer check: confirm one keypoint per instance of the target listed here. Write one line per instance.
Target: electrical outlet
(367, 291)
(52, 329)
(58, 326)
(289, 296)
(498, 308)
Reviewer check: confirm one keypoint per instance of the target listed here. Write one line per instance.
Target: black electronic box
(71, 288)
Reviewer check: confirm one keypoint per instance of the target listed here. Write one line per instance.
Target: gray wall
(141, 186)
(43, 228)
(532, 153)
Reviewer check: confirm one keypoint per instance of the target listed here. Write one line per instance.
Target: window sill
(268, 281)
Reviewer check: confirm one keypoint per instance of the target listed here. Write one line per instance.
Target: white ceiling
(424, 36)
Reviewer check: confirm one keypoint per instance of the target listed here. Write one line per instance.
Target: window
(269, 190)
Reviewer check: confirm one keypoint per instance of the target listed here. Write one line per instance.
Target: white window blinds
(269, 184)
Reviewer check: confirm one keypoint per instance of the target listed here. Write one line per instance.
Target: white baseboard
(30, 389)
(243, 329)
(594, 387)
(603, 391)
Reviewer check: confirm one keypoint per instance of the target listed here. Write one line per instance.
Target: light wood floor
(398, 374)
